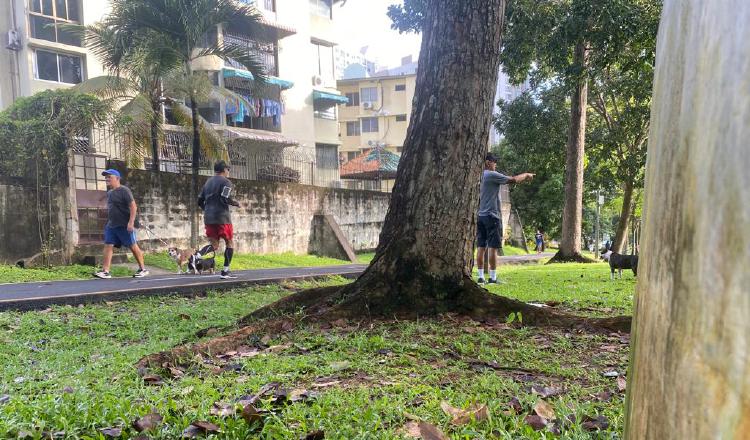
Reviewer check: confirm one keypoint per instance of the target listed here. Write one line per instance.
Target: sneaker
(140, 273)
(481, 281)
(226, 275)
(491, 281)
(103, 275)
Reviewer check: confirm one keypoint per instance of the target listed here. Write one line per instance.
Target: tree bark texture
(690, 369)
(621, 233)
(424, 254)
(570, 243)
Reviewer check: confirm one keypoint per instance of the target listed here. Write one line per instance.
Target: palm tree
(137, 65)
(187, 26)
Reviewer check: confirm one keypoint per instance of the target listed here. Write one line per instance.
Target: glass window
(352, 128)
(369, 125)
(400, 87)
(324, 111)
(70, 69)
(353, 99)
(369, 94)
(56, 67)
(322, 8)
(324, 63)
(46, 66)
(400, 118)
(46, 16)
(351, 155)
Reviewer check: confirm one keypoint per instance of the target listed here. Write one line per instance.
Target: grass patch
(13, 274)
(70, 369)
(512, 250)
(255, 261)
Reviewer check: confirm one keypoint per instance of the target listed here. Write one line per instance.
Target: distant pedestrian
(539, 239)
(214, 200)
(489, 224)
(120, 228)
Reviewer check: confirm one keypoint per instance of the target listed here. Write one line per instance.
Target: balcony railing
(262, 51)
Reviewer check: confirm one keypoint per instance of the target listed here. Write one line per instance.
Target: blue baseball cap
(111, 172)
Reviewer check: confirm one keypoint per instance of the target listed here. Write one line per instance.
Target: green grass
(70, 369)
(511, 250)
(13, 274)
(254, 261)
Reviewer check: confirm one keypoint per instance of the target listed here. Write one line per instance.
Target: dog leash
(154, 236)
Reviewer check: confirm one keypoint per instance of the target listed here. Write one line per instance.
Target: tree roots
(575, 258)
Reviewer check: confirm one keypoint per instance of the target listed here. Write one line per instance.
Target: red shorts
(216, 232)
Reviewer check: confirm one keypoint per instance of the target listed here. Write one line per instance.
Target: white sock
(493, 275)
(226, 268)
(481, 273)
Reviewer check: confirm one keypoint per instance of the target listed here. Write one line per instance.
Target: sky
(365, 23)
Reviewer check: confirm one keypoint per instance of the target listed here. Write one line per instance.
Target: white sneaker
(140, 273)
(103, 275)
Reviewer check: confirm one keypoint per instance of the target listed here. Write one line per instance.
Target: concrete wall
(272, 218)
(19, 224)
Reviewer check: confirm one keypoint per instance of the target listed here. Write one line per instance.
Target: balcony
(265, 52)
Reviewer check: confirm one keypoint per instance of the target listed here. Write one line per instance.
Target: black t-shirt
(118, 206)
(215, 199)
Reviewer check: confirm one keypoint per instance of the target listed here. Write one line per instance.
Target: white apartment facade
(508, 92)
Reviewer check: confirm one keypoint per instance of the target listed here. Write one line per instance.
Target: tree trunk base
(329, 304)
(575, 258)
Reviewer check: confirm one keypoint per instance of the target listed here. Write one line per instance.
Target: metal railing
(268, 164)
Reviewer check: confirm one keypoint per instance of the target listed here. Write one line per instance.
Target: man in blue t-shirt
(489, 223)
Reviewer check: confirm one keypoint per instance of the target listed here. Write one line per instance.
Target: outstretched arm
(519, 178)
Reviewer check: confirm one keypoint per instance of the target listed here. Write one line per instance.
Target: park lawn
(70, 369)
(255, 261)
(512, 250)
(13, 274)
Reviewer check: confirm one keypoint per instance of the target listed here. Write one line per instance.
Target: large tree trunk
(570, 243)
(690, 369)
(621, 233)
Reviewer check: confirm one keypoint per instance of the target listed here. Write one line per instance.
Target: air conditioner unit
(317, 80)
(368, 105)
(14, 40)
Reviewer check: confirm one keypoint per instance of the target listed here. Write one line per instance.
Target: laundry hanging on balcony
(258, 108)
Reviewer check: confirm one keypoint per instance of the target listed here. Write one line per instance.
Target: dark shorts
(119, 236)
(215, 232)
(489, 232)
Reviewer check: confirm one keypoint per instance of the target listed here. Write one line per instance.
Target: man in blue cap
(120, 229)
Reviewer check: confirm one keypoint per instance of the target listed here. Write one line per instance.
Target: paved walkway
(36, 295)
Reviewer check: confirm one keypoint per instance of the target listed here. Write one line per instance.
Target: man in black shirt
(214, 200)
(120, 229)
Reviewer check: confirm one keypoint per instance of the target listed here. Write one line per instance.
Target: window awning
(244, 74)
(329, 97)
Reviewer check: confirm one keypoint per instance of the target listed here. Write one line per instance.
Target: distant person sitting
(489, 224)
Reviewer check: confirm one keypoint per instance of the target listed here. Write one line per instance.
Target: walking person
(539, 238)
(215, 199)
(120, 228)
(489, 224)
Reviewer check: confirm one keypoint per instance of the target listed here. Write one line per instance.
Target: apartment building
(299, 109)
(508, 92)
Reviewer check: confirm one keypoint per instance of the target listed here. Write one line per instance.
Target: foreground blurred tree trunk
(690, 369)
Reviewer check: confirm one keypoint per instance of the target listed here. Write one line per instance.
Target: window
(352, 128)
(324, 111)
(57, 67)
(323, 56)
(269, 5)
(322, 8)
(353, 99)
(400, 118)
(46, 15)
(88, 171)
(400, 87)
(369, 94)
(350, 155)
(369, 125)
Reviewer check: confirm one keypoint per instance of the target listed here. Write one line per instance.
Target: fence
(249, 160)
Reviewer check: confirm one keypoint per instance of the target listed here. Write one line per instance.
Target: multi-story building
(298, 107)
(345, 58)
(508, 92)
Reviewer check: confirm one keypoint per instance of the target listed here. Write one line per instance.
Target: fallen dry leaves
(464, 416)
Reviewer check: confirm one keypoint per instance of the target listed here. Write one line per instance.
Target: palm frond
(108, 87)
(240, 54)
(212, 142)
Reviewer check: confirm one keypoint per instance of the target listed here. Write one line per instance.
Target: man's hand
(522, 177)
(527, 176)
(131, 226)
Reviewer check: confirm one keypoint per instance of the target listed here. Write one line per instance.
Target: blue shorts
(489, 230)
(119, 236)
